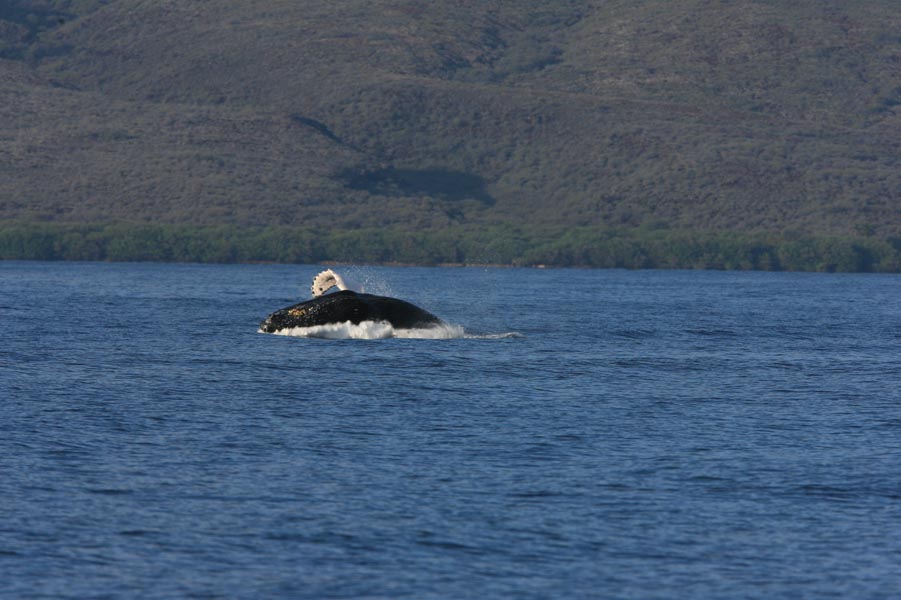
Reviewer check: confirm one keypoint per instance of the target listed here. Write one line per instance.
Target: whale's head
(281, 319)
(267, 325)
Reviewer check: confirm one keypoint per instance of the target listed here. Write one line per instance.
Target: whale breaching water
(346, 305)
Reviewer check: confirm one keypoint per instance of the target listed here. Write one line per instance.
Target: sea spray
(372, 330)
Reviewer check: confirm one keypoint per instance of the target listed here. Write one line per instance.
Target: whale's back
(344, 306)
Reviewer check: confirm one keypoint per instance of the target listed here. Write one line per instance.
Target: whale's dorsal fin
(325, 281)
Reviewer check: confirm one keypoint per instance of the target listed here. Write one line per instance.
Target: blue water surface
(595, 434)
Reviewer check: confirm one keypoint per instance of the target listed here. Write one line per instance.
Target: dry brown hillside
(706, 115)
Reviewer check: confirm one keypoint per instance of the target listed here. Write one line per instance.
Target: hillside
(748, 116)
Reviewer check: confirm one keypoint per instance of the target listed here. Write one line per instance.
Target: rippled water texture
(601, 434)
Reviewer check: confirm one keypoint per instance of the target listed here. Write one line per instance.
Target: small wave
(633, 334)
(492, 336)
(380, 330)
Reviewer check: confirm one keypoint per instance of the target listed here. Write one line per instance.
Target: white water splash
(380, 330)
(371, 330)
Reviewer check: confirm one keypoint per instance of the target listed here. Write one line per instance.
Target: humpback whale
(347, 305)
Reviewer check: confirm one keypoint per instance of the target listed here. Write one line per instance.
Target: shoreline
(466, 247)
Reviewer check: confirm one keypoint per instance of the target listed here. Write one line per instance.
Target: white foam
(438, 332)
(372, 330)
(380, 330)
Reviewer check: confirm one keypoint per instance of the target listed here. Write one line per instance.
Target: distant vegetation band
(635, 248)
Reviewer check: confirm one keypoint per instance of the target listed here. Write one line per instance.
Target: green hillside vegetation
(760, 122)
(628, 248)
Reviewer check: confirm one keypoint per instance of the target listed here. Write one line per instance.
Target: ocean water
(574, 434)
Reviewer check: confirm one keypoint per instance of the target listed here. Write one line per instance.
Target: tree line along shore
(501, 245)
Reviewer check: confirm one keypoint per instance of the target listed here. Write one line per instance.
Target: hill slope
(706, 115)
